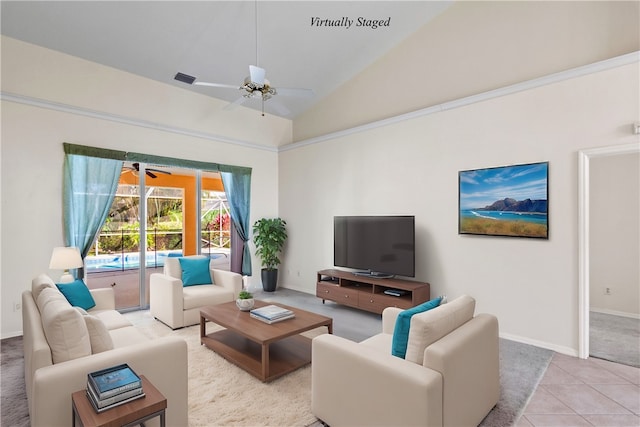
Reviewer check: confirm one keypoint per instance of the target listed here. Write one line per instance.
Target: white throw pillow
(47, 295)
(99, 336)
(39, 283)
(428, 327)
(65, 330)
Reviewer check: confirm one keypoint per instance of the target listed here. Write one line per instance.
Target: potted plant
(245, 300)
(269, 235)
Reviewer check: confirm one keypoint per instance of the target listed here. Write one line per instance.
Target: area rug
(221, 394)
(522, 366)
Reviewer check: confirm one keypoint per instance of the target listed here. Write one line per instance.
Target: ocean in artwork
(533, 217)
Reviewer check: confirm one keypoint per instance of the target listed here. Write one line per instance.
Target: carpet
(614, 338)
(221, 394)
(13, 395)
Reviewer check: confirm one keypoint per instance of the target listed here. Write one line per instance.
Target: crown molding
(80, 111)
(607, 64)
(596, 67)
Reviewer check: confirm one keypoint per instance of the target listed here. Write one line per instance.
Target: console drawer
(339, 294)
(378, 302)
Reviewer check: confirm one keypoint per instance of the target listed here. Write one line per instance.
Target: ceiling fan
(135, 169)
(255, 86)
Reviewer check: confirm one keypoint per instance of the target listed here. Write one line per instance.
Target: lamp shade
(64, 258)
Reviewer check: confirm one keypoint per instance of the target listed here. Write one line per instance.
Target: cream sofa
(62, 344)
(178, 306)
(449, 377)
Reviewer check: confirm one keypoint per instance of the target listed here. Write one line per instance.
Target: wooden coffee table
(265, 351)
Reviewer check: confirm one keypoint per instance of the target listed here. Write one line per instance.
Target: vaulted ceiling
(317, 45)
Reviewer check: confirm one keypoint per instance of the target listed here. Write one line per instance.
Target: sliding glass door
(158, 212)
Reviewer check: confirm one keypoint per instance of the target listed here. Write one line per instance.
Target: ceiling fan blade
(159, 171)
(257, 75)
(300, 93)
(234, 104)
(280, 109)
(217, 85)
(150, 174)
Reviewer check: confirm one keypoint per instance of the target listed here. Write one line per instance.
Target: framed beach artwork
(507, 201)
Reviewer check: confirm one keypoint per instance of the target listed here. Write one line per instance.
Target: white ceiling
(215, 41)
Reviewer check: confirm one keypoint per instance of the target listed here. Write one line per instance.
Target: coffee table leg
(265, 361)
(202, 328)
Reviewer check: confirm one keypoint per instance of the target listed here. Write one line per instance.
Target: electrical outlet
(17, 306)
(607, 291)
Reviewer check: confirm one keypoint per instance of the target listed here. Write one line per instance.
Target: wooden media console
(368, 293)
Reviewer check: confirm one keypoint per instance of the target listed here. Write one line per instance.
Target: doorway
(590, 281)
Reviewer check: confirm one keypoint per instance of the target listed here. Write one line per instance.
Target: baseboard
(11, 334)
(542, 344)
(615, 313)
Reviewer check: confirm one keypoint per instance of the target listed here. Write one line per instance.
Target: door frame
(584, 159)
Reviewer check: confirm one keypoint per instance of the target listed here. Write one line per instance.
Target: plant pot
(245, 304)
(269, 279)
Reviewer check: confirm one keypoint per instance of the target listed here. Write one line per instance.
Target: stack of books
(271, 314)
(112, 387)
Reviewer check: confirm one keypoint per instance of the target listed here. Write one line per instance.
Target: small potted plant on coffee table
(245, 300)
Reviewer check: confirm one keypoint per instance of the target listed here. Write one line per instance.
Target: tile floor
(591, 392)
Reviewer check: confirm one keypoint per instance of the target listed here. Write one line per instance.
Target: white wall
(474, 47)
(614, 234)
(85, 103)
(411, 167)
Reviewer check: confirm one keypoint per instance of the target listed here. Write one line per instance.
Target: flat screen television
(377, 246)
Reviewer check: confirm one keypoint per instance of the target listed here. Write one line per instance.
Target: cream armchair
(178, 306)
(449, 377)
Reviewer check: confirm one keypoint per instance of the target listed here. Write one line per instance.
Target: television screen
(382, 246)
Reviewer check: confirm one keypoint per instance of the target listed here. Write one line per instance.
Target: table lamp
(64, 258)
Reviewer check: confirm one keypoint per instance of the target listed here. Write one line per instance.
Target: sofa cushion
(64, 328)
(428, 327)
(111, 319)
(130, 335)
(195, 271)
(403, 322)
(77, 294)
(199, 296)
(39, 283)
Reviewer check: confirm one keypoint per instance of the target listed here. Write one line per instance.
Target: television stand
(368, 292)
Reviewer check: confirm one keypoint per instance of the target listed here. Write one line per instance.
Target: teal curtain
(237, 187)
(90, 185)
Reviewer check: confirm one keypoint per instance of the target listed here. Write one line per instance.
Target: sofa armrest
(389, 317)
(355, 385)
(228, 279)
(166, 301)
(469, 361)
(104, 297)
(53, 385)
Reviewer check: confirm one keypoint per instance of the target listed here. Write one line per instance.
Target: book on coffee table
(279, 319)
(271, 313)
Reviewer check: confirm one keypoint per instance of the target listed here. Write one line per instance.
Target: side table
(133, 413)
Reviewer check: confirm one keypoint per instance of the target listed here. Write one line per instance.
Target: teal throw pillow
(195, 271)
(401, 331)
(77, 294)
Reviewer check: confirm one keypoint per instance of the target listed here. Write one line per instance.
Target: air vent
(185, 78)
